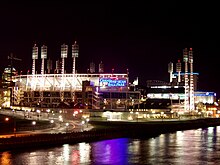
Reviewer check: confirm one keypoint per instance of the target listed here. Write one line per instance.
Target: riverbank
(106, 130)
(15, 124)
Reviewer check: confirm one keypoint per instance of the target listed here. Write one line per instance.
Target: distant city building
(101, 67)
(92, 67)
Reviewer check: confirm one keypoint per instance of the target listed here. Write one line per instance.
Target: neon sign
(112, 82)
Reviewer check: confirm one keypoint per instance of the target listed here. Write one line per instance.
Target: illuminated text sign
(111, 82)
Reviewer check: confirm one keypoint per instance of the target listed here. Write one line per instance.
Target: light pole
(53, 114)
(67, 124)
(60, 119)
(29, 113)
(199, 113)
(38, 114)
(14, 121)
(52, 121)
(48, 113)
(137, 115)
(83, 122)
(6, 119)
(14, 127)
(24, 113)
(13, 113)
(87, 122)
(33, 123)
(162, 113)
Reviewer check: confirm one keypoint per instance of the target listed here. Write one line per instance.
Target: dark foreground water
(191, 147)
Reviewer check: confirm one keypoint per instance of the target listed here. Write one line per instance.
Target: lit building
(205, 97)
(101, 67)
(181, 91)
(6, 85)
(92, 67)
(92, 90)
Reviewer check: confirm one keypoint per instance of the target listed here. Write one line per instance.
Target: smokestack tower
(64, 52)
(178, 70)
(43, 56)
(75, 53)
(101, 67)
(186, 79)
(170, 70)
(191, 82)
(34, 57)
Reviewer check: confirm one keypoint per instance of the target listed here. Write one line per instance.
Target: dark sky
(143, 37)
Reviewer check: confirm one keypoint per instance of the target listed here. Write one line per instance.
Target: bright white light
(33, 122)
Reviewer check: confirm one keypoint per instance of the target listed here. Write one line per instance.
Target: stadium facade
(92, 90)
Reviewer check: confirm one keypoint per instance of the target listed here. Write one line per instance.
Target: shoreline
(104, 130)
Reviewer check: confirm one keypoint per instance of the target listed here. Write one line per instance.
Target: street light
(199, 113)
(53, 114)
(24, 113)
(137, 115)
(48, 113)
(87, 121)
(38, 114)
(83, 122)
(67, 124)
(29, 113)
(33, 123)
(162, 113)
(13, 112)
(60, 119)
(52, 121)
(14, 119)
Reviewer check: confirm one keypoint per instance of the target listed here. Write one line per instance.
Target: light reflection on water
(201, 146)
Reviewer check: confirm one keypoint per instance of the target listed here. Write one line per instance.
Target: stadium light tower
(185, 60)
(43, 57)
(178, 70)
(34, 57)
(64, 51)
(191, 82)
(170, 70)
(75, 53)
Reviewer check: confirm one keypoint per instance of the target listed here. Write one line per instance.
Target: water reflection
(110, 151)
(5, 158)
(200, 146)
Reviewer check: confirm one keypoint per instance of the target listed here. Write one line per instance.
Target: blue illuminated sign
(205, 94)
(112, 82)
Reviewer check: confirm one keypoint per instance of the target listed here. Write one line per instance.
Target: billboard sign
(112, 82)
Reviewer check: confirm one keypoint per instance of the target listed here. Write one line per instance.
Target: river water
(190, 147)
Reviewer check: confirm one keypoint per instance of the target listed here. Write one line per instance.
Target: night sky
(142, 37)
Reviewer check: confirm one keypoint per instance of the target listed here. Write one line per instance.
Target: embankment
(106, 130)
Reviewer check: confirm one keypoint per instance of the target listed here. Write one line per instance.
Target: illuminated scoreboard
(113, 82)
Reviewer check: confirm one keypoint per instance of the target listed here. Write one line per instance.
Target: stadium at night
(108, 91)
(92, 90)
